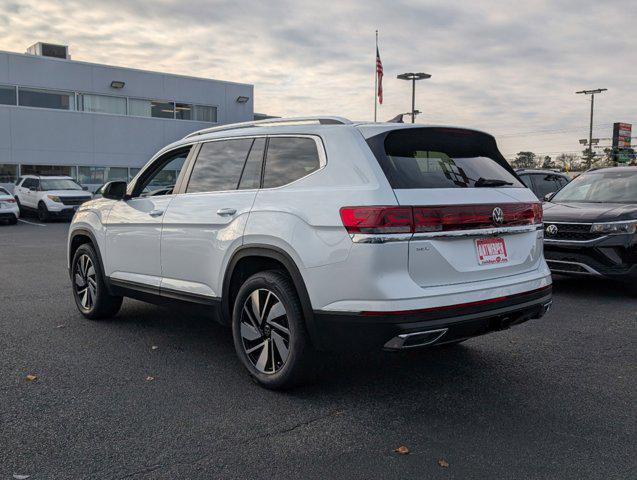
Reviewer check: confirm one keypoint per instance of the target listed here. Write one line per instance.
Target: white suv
(50, 196)
(317, 233)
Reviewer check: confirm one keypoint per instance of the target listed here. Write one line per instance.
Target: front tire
(269, 331)
(89, 289)
(43, 212)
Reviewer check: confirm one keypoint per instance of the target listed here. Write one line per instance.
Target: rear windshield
(442, 158)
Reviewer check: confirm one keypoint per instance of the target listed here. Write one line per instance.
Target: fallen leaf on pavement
(154, 347)
(60, 326)
(443, 463)
(402, 450)
(31, 378)
(20, 477)
(149, 378)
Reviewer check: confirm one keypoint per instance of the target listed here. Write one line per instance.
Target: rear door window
(219, 165)
(442, 158)
(289, 159)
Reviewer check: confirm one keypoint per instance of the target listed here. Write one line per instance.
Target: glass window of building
(57, 170)
(90, 175)
(101, 104)
(204, 113)
(138, 107)
(151, 108)
(132, 172)
(8, 173)
(116, 173)
(31, 97)
(183, 111)
(7, 95)
(162, 109)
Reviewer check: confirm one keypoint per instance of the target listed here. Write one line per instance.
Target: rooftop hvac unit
(49, 50)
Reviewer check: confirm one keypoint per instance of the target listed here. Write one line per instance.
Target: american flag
(379, 74)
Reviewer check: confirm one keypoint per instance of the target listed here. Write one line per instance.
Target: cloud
(505, 67)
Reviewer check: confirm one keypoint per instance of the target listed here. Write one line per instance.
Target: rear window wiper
(491, 182)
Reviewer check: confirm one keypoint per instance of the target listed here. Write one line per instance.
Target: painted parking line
(31, 223)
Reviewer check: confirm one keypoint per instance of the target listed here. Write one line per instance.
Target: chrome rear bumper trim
(412, 340)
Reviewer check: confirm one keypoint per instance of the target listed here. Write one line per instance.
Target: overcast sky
(508, 67)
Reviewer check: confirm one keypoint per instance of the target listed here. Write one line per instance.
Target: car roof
(539, 170)
(54, 177)
(629, 168)
(297, 126)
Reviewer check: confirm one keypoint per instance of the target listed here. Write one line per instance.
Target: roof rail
(270, 122)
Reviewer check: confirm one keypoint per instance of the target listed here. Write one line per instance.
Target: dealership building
(98, 123)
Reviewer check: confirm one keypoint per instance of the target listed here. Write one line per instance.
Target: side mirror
(85, 189)
(114, 190)
(548, 196)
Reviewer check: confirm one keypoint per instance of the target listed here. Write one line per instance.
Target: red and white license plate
(491, 250)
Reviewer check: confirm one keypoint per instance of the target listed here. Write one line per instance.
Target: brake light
(377, 219)
(9, 200)
(441, 218)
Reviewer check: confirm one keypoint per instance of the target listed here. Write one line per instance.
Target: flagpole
(376, 78)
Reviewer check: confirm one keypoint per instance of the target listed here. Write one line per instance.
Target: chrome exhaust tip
(416, 339)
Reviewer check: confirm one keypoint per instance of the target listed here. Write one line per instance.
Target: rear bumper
(400, 330)
(9, 214)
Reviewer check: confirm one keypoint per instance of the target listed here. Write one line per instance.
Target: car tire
(269, 332)
(43, 212)
(13, 221)
(89, 288)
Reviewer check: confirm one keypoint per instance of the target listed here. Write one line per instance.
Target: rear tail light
(378, 219)
(9, 200)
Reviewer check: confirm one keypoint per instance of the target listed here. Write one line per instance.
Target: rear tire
(269, 331)
(13, 221)
(89, 289)
(43, 212)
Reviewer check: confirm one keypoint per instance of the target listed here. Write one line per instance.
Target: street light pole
(413, 77)
(590, 129)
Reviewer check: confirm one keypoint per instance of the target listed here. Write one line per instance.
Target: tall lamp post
(413, 77)
(590, 130)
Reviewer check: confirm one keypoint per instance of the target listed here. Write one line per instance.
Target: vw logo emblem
(551, 230)
(498, 216)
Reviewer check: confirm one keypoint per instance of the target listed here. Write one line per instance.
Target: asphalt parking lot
(158, 393)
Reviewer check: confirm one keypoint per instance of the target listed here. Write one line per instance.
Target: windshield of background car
(59, 184)
(601, 187)
(442, 158)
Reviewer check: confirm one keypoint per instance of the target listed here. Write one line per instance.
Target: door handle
(226, 212)
(156, 213)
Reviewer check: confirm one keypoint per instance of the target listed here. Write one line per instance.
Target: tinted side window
(219, 165)
(289, 159)
(27, 183)
(544, 184)
(561, 181)
(526, 180)
(251, 176)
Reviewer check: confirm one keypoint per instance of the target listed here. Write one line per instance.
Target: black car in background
(590, 225)
(543, 182)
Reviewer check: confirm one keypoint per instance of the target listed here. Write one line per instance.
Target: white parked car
(9, 211)
(313, 234)
(49, 196)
